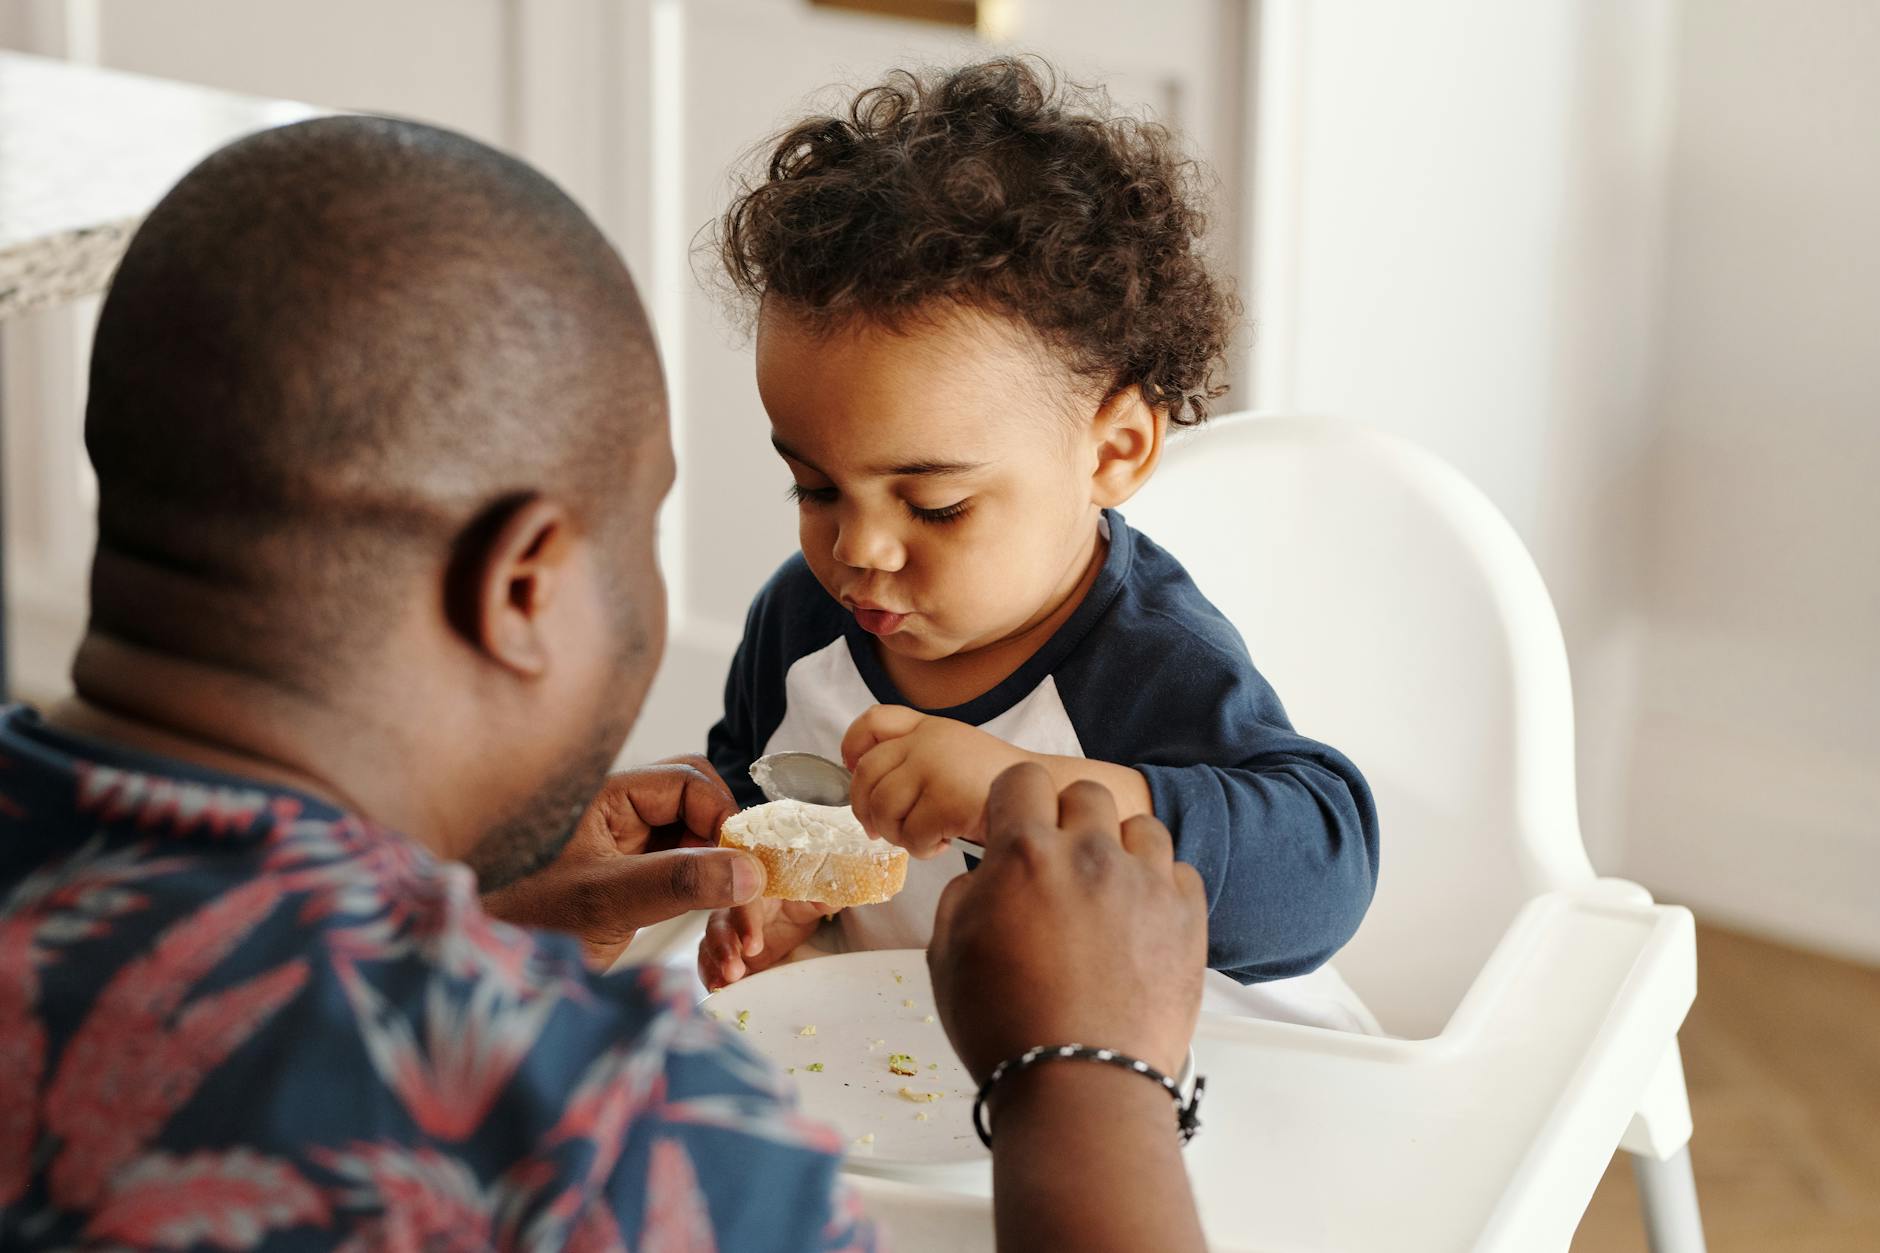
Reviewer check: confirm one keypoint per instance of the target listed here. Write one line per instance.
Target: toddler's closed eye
(812, 495)
(946, 513)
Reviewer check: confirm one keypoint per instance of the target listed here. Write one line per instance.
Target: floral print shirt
(232, 1017)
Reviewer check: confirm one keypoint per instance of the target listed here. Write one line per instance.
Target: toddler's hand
(745, 939)
(920, 781)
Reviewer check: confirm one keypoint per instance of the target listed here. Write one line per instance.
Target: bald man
(380, 436)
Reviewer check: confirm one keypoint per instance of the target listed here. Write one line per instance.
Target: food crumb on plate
(897, 976)
(744, 1018)
(867, 1139)
(907, 1004)
(815, 1068)
(809, 1030)
(902, 1064)
(921, 1117)
(919, 1098)
(928, 1018)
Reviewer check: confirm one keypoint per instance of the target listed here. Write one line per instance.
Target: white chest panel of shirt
(823, 696)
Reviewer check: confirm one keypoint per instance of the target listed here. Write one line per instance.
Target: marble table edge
(63, 266)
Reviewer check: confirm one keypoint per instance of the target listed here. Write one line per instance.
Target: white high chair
(1400, 618)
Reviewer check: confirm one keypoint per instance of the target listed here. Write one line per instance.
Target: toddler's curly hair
(994, 186)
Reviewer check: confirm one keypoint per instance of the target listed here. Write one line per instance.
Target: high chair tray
(1487, 1136)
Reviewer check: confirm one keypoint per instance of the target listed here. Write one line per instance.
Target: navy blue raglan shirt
(1145, 673)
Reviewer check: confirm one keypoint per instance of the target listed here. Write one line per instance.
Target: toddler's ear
(1128, 433)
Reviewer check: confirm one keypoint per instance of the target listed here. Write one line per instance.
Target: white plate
(865, 1008)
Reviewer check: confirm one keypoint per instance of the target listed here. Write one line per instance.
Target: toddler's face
(944, 482)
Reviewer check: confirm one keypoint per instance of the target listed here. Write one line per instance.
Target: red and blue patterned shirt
(233, 1017)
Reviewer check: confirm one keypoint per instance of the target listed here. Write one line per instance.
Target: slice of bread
(817, 853)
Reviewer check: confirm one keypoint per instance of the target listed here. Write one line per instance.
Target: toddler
(980, 304)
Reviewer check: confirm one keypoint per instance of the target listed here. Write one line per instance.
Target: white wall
(1464, 210)
(1756, 786)
(1618, 261)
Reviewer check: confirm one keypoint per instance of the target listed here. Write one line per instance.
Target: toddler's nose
(860, 546)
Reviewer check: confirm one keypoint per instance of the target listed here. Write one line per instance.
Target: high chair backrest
(1401, 620)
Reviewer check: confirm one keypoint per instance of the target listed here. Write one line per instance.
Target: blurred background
(1615, 259)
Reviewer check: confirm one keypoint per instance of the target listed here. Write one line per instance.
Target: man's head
(378, 423)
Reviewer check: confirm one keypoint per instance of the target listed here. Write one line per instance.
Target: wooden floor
(1782, 1055)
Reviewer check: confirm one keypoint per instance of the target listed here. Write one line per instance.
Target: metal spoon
(814, 780)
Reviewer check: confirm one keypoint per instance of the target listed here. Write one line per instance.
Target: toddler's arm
(1281, 828)
(1286, 844)
(1283, 835)
(922, 780)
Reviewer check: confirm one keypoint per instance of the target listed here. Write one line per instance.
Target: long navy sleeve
(1281, 828)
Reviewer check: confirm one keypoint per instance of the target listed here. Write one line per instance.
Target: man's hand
(1075, 928)
(640, 855)
(920, 781)
(748, 938)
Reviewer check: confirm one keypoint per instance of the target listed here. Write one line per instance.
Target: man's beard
(534, 835)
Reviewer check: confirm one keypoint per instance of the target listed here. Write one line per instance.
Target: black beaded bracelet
(1187, 1114)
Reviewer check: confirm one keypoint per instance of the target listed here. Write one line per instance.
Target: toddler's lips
(878, 621)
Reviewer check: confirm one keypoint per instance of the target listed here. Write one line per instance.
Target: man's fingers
(653, 887)
(701, 802)
(1148, 840)
(950, 898)
(1087, 808)
(877, 724)
(687, 793)
(1022, 799)
(1188, 883)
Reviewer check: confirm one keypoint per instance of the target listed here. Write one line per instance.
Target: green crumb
(815, 1068)
(744, 1017)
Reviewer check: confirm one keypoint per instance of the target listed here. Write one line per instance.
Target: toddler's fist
(921, 781)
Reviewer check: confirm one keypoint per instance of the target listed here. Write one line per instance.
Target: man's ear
(1129, 433)
(509, 569)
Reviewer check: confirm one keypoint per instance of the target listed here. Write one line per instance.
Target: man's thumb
(653, 887)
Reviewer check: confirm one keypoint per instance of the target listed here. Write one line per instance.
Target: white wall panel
(1757, 792)
(440, 60)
